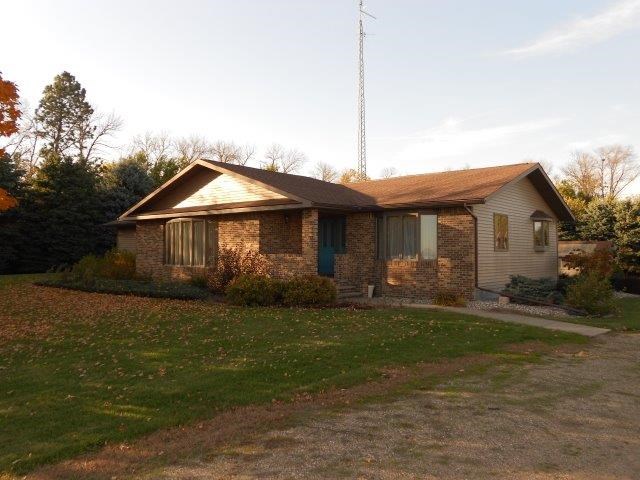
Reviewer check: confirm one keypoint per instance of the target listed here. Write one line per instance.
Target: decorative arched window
(190, 242)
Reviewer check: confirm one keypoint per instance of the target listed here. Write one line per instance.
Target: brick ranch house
(410, 236)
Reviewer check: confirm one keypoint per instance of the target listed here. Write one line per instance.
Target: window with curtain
(540, 234)
(429, 237)
(407, 237)
(500, 231)
(189, 242)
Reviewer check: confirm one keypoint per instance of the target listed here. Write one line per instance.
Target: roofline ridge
(445, 171)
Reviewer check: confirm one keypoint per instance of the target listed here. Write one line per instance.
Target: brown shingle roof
(316, 191)
(459, 187)
(454, 187)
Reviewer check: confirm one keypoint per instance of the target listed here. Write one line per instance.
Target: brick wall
(454, 270)
(279, 236)
(291, 246)
(357, 265)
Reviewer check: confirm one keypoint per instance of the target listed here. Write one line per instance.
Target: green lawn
(627, 318)
(78, 370)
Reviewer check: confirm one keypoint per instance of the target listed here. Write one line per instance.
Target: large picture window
(540, 234)
(407, 236)
(500, 231)
(189, 242)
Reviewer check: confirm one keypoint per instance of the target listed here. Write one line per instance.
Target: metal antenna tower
(362, 143)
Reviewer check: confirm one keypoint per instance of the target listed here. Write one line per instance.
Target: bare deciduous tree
(23, 146)
(272, 158)
(324, 171)
(604, 173)
(293, 161)
(245, 154)
(388, 172)
(155, 147)
(91, 140)
(278, 159)
(103, 127)
(581, 172)
(190, 149)
(618, 168)
(229, 152)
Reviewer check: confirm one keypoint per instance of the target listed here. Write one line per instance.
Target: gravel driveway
(573, 416)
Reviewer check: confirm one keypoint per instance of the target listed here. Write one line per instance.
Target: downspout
(475, 242)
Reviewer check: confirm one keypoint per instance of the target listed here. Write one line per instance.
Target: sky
(449, 84)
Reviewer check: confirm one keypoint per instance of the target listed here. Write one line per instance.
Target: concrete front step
(343, 295)
(346, 290)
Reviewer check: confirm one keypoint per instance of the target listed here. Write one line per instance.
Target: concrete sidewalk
(521, 319)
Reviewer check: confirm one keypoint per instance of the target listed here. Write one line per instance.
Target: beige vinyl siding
(518, 201)
(227, 189)
(126, 239)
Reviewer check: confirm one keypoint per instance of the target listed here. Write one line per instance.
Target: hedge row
(140, 288)
(258, 290)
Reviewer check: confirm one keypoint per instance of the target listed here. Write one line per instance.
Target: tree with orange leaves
(9, 111)
(7, 202)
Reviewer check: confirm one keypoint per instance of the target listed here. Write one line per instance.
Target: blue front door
(326, 260)
(331, 240)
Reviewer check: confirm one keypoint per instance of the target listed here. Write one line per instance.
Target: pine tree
(10, 240)
(627, 230)
(64, 116)
(60, 214)
(598, 221)
(124, 183)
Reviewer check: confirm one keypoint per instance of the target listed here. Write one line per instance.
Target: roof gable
(201, 187)
(222, 188)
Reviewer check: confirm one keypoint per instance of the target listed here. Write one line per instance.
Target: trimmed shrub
(600, 262)
(140, 288)
(118, 265)
(86, 270)
(115, 265)
(254, 291)
(449, 299)
(308, 291)
(591, 293)
(544, 289)
(257, 290)
(232, 263)
(199, 281)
